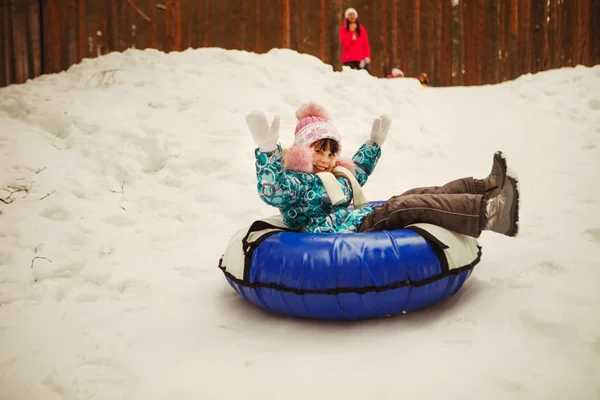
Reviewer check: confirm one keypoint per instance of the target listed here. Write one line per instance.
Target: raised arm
(368, 154)
(275, 187)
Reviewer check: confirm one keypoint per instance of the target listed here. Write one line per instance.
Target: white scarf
(334, 188)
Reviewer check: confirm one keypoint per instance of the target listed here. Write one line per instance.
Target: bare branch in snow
(43, 258)
(103, 78)
(37, 171)
(38, 247)
(12, 189)
(48, 194)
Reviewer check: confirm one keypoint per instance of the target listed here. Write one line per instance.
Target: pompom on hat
(313, 125)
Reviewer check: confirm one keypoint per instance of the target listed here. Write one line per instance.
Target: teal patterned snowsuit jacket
(302, 198)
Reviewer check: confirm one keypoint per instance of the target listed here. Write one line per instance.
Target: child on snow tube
(313, 186)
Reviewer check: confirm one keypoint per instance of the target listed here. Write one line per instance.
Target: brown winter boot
(502, 211)
(495, 180)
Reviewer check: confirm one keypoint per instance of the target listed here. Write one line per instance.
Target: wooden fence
(457, 42)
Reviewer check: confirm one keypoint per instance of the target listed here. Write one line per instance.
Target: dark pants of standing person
(356, 65)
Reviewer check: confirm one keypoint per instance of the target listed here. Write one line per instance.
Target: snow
(131, 171)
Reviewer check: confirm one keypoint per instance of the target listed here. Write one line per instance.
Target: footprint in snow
(56, 214)
(549, 329)
(101, 375)
(592, 234)
(119, 221)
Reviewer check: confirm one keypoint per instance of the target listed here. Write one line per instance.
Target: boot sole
(514, 207)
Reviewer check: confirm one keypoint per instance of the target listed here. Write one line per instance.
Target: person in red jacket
(356, 51)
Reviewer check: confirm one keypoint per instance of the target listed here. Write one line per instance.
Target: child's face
(323, 159)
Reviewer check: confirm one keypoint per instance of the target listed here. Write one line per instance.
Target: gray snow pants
(458, 206)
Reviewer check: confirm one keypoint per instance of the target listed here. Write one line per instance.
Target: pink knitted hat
(313, 125)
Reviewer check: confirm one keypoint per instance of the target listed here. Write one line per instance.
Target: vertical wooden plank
(296, 22)
(258, 27)
(92, 24)
(271, 24)
(469, 42)
(481, 38)
(494, 55)
(231, 18)
(82, 31)
(416, 38)
(461, 53)
(537, 24)
(220, 40)
(57, 48)
(34, 38)
(172, 26)
(406, 33)
(567, 22)
(502, 36)
(554, 34)
(198, 24)
(19, 55)
(594, 32)
(446, 52)
(427, 36)
(546, 52)
(435, 56)
(576, 21)
(524, 37)
(470, 64)
(113, 25)
(208, 23)
(5, 66)
(334, 12)
(243, 25)
(513, 39)
(584, 32)
(284, 29)
(188, 20)
(169, 35)
(178, 25)
(69, 34)
(384, 61)
(125, 37)
(314, 45)
(323, 38)
(151, 4)
(394, 37)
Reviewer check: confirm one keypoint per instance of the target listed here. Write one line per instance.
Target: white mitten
(368, 60)
(380, 129)
(265, 136)
(362, 63)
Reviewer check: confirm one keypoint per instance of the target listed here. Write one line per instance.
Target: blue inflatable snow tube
(347, 276)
